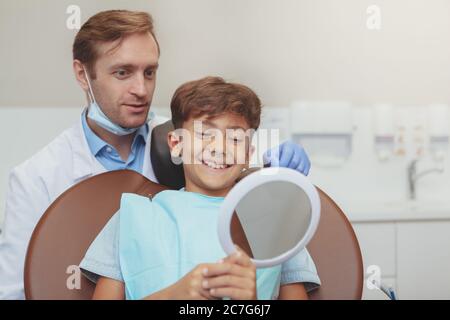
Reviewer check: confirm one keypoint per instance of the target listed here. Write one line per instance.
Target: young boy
(167, 247)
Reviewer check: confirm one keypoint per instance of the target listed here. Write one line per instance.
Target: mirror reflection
(271, 219)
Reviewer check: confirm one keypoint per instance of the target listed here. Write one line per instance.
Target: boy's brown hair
(214, 96)
(108, 26)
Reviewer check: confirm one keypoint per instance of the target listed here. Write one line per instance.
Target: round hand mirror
(271, 214)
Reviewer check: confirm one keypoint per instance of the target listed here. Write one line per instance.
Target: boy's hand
(190, 286)
(235, 278)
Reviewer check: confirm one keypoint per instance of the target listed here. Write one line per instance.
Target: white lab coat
(34, 185)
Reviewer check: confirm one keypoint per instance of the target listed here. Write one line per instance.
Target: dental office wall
(291, 50)
(285, 50)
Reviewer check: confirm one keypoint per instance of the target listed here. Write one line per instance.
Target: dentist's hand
(234, 278)
(288, 155)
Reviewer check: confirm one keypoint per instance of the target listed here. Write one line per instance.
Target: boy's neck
(191, 187)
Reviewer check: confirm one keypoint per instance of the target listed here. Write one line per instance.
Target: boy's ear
(174, 143)
(251, 151)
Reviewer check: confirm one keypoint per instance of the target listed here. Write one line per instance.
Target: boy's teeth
(215, 166)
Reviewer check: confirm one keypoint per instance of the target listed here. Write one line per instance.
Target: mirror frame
(253, 180)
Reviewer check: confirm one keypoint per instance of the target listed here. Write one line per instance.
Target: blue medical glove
(288, 155)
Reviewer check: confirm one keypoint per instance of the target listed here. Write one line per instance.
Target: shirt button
(109, 149)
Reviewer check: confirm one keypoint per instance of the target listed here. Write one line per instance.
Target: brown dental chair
(74, 219)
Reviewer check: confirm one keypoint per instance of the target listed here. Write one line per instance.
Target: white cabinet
(423, 260)
(413, 257)
(377, 242)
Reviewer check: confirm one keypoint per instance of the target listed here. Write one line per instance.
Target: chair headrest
(167, 172)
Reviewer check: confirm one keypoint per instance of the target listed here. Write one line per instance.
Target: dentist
(115, 60)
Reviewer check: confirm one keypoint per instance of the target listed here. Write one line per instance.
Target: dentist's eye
(150, 74)
(121, 74)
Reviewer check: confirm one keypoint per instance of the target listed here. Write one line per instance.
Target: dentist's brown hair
(108, 26)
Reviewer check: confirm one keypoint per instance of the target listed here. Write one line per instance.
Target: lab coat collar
(84, 162)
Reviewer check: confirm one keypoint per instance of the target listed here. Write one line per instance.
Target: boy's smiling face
(214, 151)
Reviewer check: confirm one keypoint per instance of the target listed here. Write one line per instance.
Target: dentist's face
(214, 152)
(125, 79)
